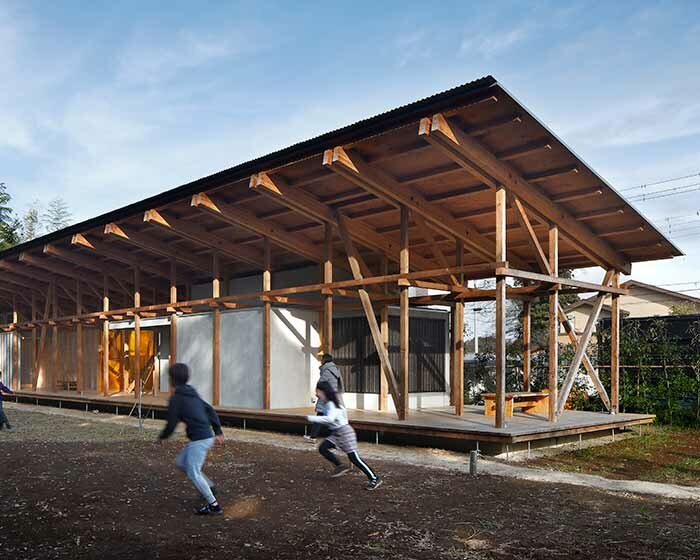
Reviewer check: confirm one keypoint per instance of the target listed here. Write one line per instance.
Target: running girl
(342, 435)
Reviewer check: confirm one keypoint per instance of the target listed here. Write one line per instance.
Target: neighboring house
(643, 300)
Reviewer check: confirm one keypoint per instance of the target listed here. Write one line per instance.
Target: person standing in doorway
(328, 373)
(199, 418)
(3, 419)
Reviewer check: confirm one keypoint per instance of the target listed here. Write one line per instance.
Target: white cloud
(641, 121)
(144, 61)
(492, 43)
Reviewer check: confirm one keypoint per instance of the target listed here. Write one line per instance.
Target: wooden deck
(437, 423)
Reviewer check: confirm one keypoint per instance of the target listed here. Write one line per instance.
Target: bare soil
(661, 454)
(80, 488)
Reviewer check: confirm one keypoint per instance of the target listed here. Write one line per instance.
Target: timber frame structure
(463, 185)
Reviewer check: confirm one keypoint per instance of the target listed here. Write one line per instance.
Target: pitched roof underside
(388, 143)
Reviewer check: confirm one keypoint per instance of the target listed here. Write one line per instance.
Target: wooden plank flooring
(434, 422)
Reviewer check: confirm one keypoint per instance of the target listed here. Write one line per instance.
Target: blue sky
(106, 103)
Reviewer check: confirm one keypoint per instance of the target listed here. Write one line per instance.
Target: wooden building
(462, 185)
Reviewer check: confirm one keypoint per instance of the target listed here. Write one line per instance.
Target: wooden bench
(67, 385)
(537, 403)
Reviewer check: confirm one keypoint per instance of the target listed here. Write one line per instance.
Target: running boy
(199, 418)
(3, 419)
(342, 435)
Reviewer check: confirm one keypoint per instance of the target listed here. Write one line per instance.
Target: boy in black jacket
(3, 419)
(199, 418)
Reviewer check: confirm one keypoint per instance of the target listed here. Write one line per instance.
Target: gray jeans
(191, 460)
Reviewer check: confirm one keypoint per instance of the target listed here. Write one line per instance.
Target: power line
(663, 181)
(692, 187)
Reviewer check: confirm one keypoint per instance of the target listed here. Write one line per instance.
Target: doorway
(122, 360)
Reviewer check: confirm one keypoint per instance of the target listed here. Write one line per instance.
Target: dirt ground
(80, 488)
(661, 454)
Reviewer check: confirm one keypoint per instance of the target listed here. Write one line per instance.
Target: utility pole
(476, 332)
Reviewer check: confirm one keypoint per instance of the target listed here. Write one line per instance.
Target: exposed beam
(524, 149)
(580, 352)
(353, 168)
(428, 235)
(311, 207)
(197, 234)
(530, 234)
(86, 262)
(156, 247)
(107, 250)
(56, 268)
(475, 271)
(545, 268)
(544, 278)
(482, 163)
(355, 261)
(231, 214)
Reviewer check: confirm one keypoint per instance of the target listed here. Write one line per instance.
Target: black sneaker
(210, 510)
(374, 484)
(10, 428)
(340, 470)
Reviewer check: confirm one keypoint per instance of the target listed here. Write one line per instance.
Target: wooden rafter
(109, 251)
(231, 214)
(199, 235)
(353, 168)
(483, 164)
(55, 268)
(87, 263)
(311, 207)
(157, 247)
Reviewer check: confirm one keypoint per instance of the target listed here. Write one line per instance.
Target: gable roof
(589, 302)
(392, 147)
(636, 283)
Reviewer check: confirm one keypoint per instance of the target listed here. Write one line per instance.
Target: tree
(9, 225)
(685, 308)
(57, 215)
(31, 222)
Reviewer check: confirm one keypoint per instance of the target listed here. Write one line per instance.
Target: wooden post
(34, 337)
(553, 324)
(500, 310)
(40, 359)
(404, 335)
(137, 331)
(526, 345)
(459, 339)
(453, 330)
(615, 349)
(328, 298)
(54, 342)
(79, 382)
(357, 265)
(384, 328)
(216, 358)
(105, 337)
(15, 347)
(267, 311)
(173, 316)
